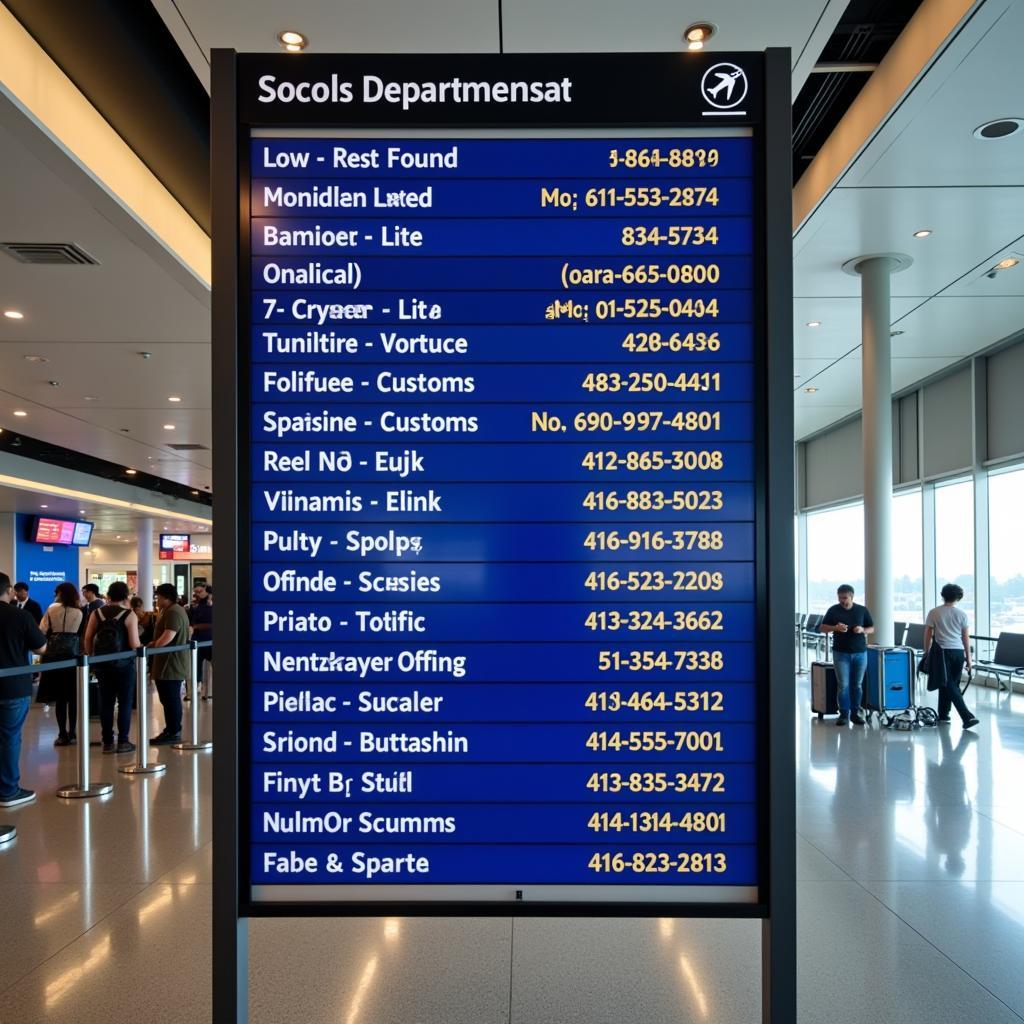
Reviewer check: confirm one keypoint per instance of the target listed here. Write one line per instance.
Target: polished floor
(911, 902)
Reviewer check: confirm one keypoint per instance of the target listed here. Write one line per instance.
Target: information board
(502, 466)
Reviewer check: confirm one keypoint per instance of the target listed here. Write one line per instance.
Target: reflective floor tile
(978, 925)
(859, 962)
(379, 971)
(619, 971)
(41, 919)
(813, 866)
(195, 869)
(148, 961)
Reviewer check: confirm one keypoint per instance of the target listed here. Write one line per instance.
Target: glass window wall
(1006, 547)
(835, 554)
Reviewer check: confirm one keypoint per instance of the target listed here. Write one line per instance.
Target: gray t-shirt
(949, 623)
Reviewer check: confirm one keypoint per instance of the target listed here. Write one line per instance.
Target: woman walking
(947, 628)
(61, 625)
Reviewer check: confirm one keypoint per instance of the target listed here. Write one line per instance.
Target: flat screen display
(175, 543)
(502, 505)
(46, 530)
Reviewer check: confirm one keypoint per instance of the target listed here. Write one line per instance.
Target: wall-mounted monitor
(176, 543)
(46, 530)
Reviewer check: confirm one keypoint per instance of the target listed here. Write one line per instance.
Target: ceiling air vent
(52, 254)
(189, 447)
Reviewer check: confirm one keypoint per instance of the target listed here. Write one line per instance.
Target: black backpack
(111, 636)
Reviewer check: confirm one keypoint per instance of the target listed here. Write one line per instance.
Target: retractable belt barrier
(84, 787)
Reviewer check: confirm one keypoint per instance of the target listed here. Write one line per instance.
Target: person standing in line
(92, 599)
(170, 670)
(146, 620)
(947, 627)
(112, 629)
(850, 625)
(201, 617)
(19, 638)
(26, 603)
(62, 625)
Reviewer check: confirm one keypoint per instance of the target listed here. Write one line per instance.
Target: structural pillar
(144, 560)
(876, 370)
(876, 374)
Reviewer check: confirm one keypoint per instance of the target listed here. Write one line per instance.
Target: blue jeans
(12, 717)
(850, 669)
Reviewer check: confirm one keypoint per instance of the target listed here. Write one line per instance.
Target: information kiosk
(503, 434)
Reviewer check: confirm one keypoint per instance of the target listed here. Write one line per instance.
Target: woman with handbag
(61, 624)
(947, 646)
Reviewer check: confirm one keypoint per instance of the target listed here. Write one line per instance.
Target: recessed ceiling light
(1001, 128)
(54, 383)
(81, 511)
(813, 323)
(131, 472)
(810, 391)
(923, 233)
(118, 537)
(292, 41)
(89, 398)
(697, 34)
(20, 412)
(35, 359)
(44, 506)
(14, 314)
(174, 398)
(168, 426)
(1010, 261)
(896, 334)
(195, 492)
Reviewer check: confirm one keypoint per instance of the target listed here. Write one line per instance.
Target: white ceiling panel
(469, 26)
(968, 226)
(840, 325)
(951, 326)
(936, 146)
(811, 416)
(384, 26)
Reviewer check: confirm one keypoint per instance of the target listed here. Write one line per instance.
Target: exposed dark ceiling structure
(55, 455)
(866, 31)
(121, 56)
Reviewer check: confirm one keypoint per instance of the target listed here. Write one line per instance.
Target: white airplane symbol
(727, 82)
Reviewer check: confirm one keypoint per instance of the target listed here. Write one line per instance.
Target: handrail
(99, 659)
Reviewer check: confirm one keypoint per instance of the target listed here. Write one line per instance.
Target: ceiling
(91, 322)
(923, 169)
(471, 26)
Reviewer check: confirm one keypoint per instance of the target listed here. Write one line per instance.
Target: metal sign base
(8, 833)
(80, 792)
(191, 746)
(143, 769)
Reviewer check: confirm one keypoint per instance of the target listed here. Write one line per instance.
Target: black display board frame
(659, 90)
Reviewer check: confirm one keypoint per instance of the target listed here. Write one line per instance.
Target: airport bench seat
(1007, 659)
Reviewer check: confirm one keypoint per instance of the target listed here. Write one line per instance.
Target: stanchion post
(84, 787)
(142, 766)
(193, 710)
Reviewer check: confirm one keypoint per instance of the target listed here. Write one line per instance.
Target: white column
(875, 273)
(144, 560)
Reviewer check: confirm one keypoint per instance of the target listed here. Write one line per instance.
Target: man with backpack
(114, 629)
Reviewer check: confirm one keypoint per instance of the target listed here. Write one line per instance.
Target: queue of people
(93, 625)
(947, 652)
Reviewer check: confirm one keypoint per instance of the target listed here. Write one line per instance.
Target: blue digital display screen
(502, 505)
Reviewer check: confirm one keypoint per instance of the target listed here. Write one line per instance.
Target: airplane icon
(725, 81)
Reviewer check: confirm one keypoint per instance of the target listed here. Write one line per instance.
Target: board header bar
(528, 90)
